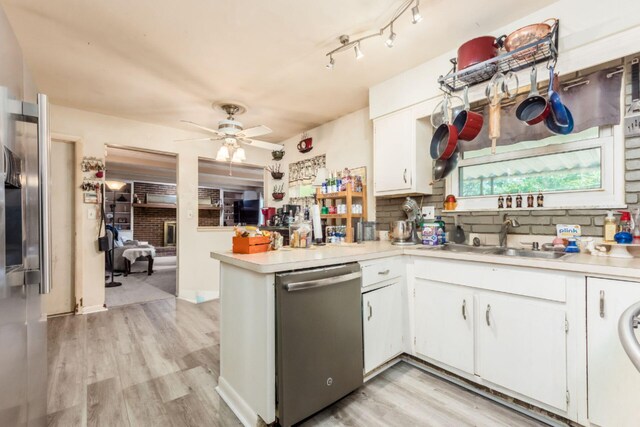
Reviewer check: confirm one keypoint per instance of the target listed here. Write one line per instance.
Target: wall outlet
(429, 212)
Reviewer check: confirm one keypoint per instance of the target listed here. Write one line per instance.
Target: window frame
(611, 195)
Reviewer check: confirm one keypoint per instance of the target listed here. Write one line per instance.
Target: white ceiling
(160, 61)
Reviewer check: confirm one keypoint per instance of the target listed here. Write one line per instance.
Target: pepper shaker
(518, 201)
(509, 202)
(540, 200)
(500, 202)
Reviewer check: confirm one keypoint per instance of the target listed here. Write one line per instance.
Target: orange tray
(250, 245)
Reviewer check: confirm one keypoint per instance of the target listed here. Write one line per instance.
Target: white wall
(591, 32)
(198, 275)
(347, 142)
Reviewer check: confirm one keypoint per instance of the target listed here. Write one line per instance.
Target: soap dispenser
(610, 227)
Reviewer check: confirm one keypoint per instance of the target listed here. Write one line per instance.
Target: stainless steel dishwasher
(318, 339)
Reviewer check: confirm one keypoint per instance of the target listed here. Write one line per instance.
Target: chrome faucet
(504, 230)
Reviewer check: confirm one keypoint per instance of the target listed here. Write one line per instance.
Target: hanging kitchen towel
(591, 105)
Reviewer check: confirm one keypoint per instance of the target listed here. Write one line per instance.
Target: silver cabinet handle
(370, 311)
(404, 176)
(384, 272)
(44, 146)
(602, 304)
(487, 314)
(464, 309)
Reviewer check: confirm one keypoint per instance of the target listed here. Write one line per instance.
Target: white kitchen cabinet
(444, 323)
(522, 346)
(401, 164)
(382, 325)
(614, 383)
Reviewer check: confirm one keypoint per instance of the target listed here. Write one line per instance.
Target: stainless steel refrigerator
(24, 240)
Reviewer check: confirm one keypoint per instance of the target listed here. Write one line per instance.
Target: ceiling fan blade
(254, 131)
(262, 144)
(214, 131)
(194, 139)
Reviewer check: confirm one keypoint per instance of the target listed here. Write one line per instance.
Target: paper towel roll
(317, 225)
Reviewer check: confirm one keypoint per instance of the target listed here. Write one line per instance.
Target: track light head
(415, 11)
(359, 53)
(331, 63)
(392, 38)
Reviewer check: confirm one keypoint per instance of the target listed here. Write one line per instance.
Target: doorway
(141, 214)
(61, 299)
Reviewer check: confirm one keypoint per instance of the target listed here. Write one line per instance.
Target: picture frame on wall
(90, 197)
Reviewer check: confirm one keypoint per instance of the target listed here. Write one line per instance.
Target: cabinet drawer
(529, 282)
(379, 270)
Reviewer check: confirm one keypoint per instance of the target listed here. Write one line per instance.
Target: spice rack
(348, 196)
(544, 49)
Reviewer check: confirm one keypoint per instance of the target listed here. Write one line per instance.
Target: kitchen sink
(495, 250)
(526, 253)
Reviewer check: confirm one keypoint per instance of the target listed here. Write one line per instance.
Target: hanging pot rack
(542, 50)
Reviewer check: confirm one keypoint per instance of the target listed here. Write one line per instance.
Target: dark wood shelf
(208, 208)
(155, 205)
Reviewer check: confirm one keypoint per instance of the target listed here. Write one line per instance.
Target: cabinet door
(522, 346)
(444, 323)
(614, 383)
(382, 325)
(393, 152)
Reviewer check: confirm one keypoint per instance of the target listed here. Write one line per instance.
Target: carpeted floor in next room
(139, 287)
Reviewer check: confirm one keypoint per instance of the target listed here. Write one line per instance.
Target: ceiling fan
(232, 133)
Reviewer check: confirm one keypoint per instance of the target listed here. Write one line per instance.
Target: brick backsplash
(540, 222)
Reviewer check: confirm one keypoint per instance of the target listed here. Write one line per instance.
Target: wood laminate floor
(156, 364)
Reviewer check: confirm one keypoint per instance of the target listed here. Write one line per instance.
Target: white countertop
(292, 259)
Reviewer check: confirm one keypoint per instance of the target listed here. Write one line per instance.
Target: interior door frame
(164, 153)
(78, 148)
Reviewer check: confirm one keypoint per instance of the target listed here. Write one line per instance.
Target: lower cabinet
(522, 346)
(614, 383)
(516, 342)
(382, 325)
(444, 323)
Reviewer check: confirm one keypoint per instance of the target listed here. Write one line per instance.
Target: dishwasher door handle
(319, 283)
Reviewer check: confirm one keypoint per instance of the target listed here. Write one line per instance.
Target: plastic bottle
(610, 227)
(441, 231)
(625, 222)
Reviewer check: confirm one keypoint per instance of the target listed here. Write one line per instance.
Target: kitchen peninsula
(450, 313)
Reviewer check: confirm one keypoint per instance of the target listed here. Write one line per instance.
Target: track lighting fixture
(415, 11)
(346, 44)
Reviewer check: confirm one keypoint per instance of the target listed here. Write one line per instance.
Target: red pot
(468, 124)
(444, 142)
(477, 50)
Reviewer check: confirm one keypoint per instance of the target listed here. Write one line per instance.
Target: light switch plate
(428, 212)
(91, 213)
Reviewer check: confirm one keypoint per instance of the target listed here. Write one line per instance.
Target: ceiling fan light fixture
(239, 156)
(415, 12)
(223, 154)
(359, 53)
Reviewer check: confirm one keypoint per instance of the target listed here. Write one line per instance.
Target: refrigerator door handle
(44, 148)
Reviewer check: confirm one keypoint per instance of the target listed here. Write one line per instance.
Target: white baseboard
(92, 309)
(240, 408)
(197, 297)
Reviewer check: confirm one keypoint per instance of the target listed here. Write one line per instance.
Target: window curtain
(591, 105)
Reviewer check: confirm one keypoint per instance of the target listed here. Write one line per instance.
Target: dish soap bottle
(610, 227)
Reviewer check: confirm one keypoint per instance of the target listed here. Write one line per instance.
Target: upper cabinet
(401, 164)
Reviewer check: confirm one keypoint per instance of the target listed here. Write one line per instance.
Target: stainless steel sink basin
(526, 253)
(455, 247)
(496, 250)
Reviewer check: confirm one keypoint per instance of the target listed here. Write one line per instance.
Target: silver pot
(402, 231)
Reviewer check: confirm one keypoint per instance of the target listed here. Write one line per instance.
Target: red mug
(305, 144)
